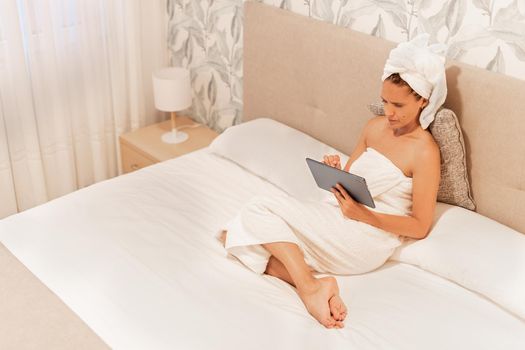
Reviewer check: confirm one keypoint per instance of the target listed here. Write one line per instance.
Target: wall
(206, 36)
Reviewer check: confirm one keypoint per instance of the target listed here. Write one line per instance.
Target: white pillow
(474, 251)
(275, 152)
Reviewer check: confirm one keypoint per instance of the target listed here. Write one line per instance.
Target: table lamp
(172, 92)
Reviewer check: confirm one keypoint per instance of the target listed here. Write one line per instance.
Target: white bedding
(135, 258)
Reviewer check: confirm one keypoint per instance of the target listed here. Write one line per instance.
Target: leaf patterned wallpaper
(206, 37)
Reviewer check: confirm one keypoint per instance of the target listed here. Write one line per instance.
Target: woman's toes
(337, 308)
(342, 312)
(329, 322)
(342, 316)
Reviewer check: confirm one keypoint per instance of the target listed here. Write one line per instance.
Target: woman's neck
(405, 130)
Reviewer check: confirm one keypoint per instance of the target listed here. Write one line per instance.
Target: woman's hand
(350, 208)
(333, 161)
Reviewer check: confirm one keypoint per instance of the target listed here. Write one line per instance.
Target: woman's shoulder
(375, 124)
(376, 120)
(427, 140)
(425, 146)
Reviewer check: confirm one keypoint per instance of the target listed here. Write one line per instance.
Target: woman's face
(401, 107)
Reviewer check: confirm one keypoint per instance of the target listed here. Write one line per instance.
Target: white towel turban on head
(423, 68)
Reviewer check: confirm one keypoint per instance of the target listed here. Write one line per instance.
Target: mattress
(136, 259)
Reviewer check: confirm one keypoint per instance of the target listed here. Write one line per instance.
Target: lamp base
(172, 137)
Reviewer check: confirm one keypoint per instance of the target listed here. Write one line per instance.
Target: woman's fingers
(333, 161)
(343, 192)
(338, 197)
(336, 162)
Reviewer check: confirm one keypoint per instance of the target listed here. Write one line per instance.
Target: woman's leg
(315, 293)
(276, 268)
(320, 296)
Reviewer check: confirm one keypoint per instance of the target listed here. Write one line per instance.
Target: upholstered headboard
(318, 78)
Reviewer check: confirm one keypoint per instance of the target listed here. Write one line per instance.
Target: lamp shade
(172, 89)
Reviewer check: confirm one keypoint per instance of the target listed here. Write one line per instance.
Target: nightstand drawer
(131, 160)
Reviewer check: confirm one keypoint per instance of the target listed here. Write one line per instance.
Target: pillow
(454, 187)
(377, 108)
(275, 152)
(475, 252)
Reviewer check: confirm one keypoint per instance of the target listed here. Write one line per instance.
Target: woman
(400, 160)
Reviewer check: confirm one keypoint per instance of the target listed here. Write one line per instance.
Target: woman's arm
(335, 161)
(360, 147)
(425, 183)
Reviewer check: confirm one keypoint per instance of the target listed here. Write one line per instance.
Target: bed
(133, 263)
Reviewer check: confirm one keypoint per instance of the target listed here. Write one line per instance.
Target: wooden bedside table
(143, 147)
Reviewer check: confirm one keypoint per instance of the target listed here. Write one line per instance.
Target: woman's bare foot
(316, 299)
(337, 308)
(321, 299)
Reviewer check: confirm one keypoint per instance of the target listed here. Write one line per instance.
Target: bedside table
(143, 147)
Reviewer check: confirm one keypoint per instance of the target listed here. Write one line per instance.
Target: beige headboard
(318, 78)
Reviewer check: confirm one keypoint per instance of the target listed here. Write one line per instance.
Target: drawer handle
(134, 166)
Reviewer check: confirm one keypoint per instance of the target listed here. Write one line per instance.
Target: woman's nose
(389, 112)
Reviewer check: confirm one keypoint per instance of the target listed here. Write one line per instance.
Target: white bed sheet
(136, 259)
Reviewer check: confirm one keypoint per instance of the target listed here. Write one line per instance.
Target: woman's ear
(425, 103)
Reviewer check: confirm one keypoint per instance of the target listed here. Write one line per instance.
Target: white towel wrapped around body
(330, 242)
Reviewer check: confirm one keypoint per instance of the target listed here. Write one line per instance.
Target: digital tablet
(327, 177)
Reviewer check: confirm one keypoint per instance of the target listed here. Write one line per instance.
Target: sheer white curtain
(74, 74)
